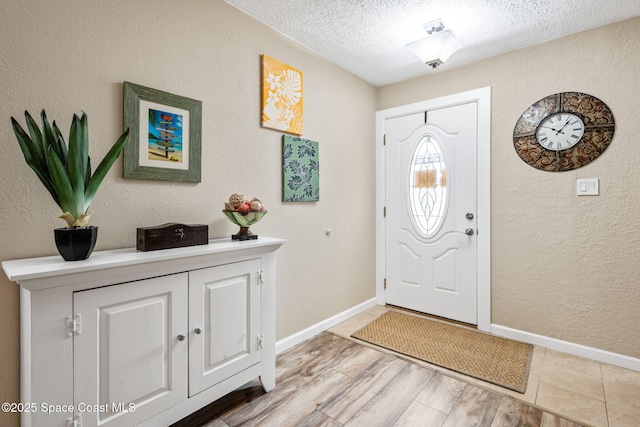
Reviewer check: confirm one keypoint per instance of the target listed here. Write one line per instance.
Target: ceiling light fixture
(437, 47)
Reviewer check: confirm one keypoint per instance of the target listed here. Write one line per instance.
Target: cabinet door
(224, 322)
(129, 363)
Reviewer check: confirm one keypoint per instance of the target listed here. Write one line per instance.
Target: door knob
(197, 331)
(181, 337)
(469, 232)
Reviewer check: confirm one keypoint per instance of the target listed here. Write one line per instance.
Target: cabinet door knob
(198, 331)
(181, 337)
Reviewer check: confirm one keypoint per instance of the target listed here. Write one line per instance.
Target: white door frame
(483, 98)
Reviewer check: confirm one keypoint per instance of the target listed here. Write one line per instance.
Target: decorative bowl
(244, 220)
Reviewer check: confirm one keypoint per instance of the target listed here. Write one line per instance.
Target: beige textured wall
(563, 266)
(68, 56)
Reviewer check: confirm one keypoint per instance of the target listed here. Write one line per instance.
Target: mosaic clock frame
(591, 118)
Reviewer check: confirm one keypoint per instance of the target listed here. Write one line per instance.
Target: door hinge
(384, 212)
(260, 277)
(384, 139)
(260, 342)
(76, 421)
(385, 283)
(73, 326)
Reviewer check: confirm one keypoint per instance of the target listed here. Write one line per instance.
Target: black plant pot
(76, 244)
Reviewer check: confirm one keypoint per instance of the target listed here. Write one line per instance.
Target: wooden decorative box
(171, 235)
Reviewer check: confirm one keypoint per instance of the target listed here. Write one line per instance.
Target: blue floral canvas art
(300, 170)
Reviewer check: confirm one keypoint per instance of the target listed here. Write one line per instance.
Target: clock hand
(563, 126)
(557, 131)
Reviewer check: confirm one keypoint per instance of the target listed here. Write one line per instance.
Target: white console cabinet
(144, 338)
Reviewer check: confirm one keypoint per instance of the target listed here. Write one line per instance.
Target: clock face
(560, 131)
(563, 131)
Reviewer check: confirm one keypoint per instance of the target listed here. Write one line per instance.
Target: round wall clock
(563, 131)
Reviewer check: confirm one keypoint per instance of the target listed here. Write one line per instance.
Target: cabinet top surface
(37, 268)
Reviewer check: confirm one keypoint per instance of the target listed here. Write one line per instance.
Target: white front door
(431, 211)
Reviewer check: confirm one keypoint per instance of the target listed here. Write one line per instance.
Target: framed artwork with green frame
(165, 140)
(300, 167)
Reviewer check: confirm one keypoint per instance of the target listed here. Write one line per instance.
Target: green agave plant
(65, 172)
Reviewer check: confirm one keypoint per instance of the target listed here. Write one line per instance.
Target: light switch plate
(587, 187)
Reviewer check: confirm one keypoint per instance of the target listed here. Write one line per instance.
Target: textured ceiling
(368, 37)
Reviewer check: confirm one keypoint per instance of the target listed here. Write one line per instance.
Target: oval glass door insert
(428, 187)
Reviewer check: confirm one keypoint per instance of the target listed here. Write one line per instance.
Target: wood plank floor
(331, 381)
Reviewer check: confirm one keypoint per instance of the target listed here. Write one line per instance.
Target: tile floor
(583, 390)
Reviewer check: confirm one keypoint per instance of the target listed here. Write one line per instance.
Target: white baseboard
(305, 334)
(504, 331)
(568, 347)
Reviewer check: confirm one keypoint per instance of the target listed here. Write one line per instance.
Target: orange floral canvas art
(281, 96)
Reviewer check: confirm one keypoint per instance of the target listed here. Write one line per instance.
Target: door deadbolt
(469, 216)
